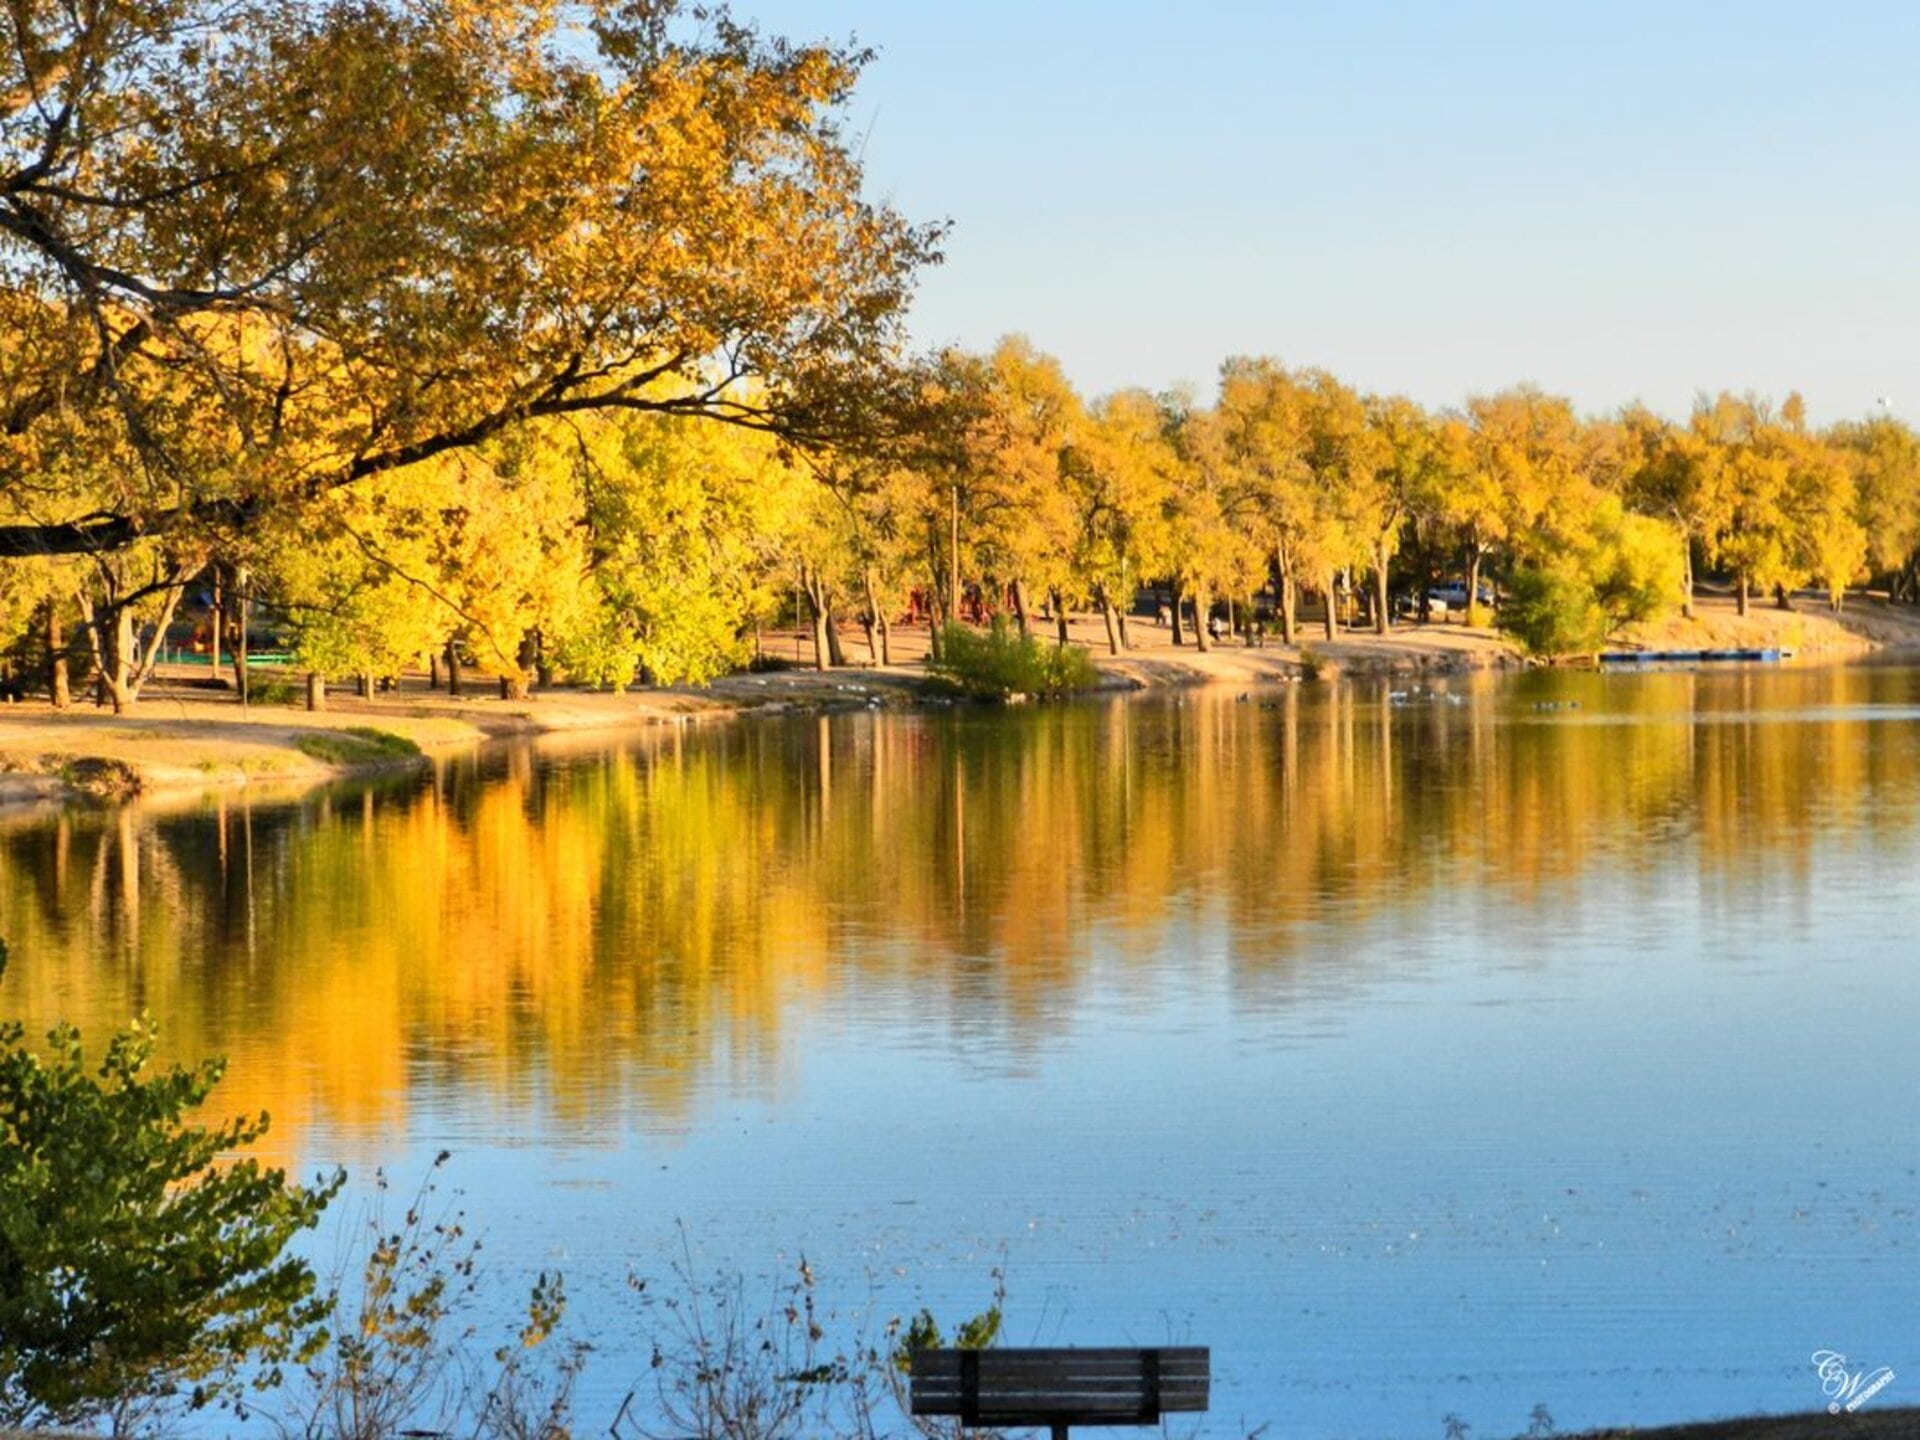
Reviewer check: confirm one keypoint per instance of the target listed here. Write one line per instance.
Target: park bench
(1007, 1389)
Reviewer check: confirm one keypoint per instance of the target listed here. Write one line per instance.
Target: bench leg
(1059, 1431)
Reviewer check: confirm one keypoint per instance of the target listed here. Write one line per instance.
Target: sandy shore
(187, 739)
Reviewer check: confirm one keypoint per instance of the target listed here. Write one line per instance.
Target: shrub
(396, 1362)
(729, 1366)
(996, 664)
(138, 1264)
(1553, 612)
(101, 777)
(275, 689)
(1615, 570)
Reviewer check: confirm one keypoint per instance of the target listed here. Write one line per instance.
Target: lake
(1547, 1039)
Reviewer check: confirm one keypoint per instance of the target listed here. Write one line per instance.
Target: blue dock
(1770, 655)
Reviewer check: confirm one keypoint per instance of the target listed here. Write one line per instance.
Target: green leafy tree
(138, 1264)
(1119, 472)
(1832, 543)
(684, 525)
(1674, 473)
(1885, 456)
(1210, 550)
(1265, 413)
(1608, 571)
(1343, 459)
(356, 581)
(1401, 487)
(1019, 513)
(1552, 610)
(1525, 452)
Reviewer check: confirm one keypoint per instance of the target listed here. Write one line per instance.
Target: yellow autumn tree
(435, 220)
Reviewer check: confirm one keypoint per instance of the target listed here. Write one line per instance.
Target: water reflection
(624, 929)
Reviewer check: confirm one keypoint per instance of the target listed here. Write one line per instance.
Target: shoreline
(188, 739)
(1893, 1423)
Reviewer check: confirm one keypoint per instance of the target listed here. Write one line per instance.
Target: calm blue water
(1443, 1054)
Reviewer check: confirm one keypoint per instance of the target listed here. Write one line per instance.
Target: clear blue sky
(1613, 200)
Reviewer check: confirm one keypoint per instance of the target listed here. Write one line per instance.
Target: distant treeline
(612, 548)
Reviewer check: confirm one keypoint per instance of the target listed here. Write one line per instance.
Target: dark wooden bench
(1006, 1389)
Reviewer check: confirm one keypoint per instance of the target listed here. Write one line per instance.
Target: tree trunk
(433, 672)
(122, 664)
(1473, 586)
(1740, 593)
(1020, 617)
(876, 621)
(819, 616)
(1781, 599)
(1286, 593)
(1332, 621)
(58, 682)
(834, 651)
(515, 685)
(1686, 577)
(1178, 600)
(528, 657)
(1382, 618)
(118, 668)
(453, 670)
(542, 662)
(826, 640)
(110, 636)
(366, 685)
(216, 617)
(937, 613)
(1202, 613)
(241, 680)
(1060, 616)
(953, 551)
(1105, 602)
(316, 690)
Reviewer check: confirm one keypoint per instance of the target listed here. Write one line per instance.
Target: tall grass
(997, 664)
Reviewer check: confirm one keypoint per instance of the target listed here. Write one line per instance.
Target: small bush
(103, 778)
(997, 664)
(1554, 612)
(357, 745)
(141, 1266)
(273, 690)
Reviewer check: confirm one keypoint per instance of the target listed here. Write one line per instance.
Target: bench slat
(1061, 1386)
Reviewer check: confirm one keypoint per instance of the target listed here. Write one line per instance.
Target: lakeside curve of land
(185, 738)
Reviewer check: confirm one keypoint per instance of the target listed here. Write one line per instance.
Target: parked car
(1454, 596)
(1408, 605)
